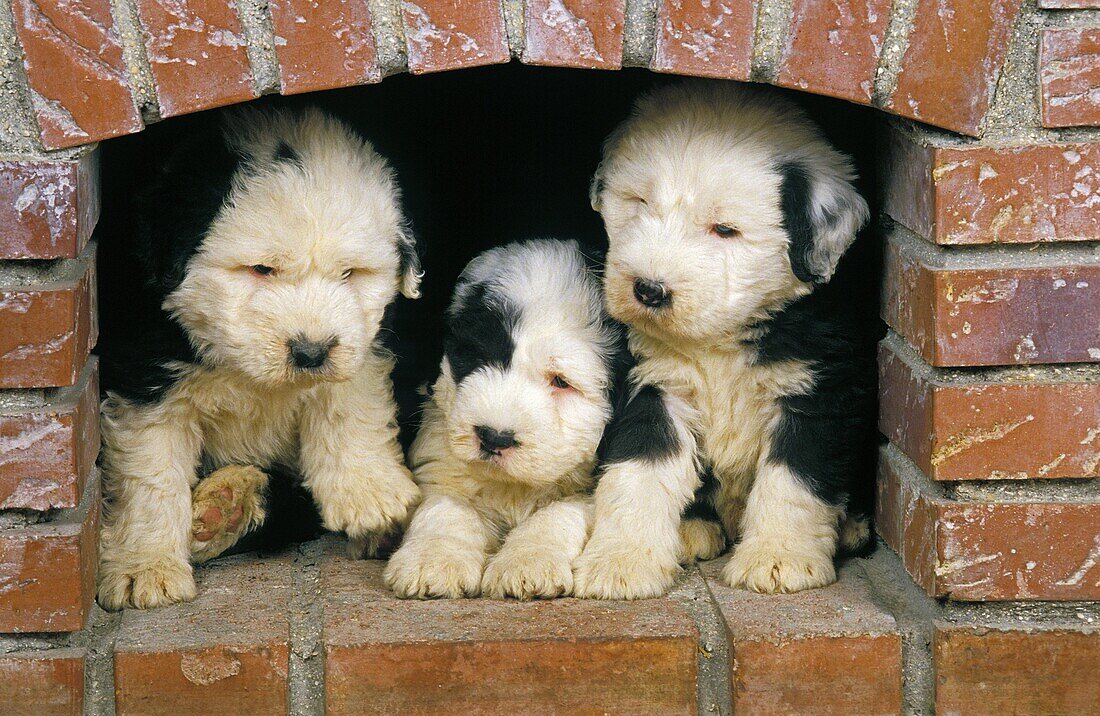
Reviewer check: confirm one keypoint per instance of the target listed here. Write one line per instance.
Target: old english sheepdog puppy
(506, 451)
(727, 213)
(271, 245)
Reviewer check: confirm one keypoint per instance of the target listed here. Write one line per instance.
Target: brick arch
(93, 74)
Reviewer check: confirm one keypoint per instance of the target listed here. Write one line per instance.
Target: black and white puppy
(271, 247)
(507, 448)
(727, 213)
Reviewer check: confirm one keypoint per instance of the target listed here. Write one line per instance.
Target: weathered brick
(449, 34)
(47, 570)
(47, 209)
(985, 550)
(1023, 307)
(981, 194)
(1016, 424)
(322, 45)
(705, 39)
(44, 683)
(833, 47)
(830, 650)
(1016, 669)
(47, 451)
(80, 90)
(197, 54)
(485, 656)
(47, 330)
(227, 652)
(1069, 77)
(574, 33)
(951, 67)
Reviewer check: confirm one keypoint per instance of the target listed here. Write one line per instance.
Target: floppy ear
(822, 213)
(595, 188)
(411, 273)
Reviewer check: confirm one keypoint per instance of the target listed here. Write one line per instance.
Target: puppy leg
(635, 548)
(789, 535)
(444, 551)
(536, 561)
(700, 540)
(225, 506)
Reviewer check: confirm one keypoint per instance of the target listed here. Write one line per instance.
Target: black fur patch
(702, 502)
(641, 429)
(479, 333)
(286, 153)
(408, 255)
(796, 195)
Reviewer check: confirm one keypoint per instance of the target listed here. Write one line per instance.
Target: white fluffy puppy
(508, 443)
(272, 245)
(727, 213)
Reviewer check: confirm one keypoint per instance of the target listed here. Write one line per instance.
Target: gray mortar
(306, 678)
(1069, 490)
(18, 127)
(134, 55)
(713, 660)
(45, 274)
(639, 33)
(515, 24)
(388, 29)
(99, 663)
(1037, 616)
(773, 22)
(894, 45)
(995, 256)
(1015, 106)
(259, 33)
(14, 401)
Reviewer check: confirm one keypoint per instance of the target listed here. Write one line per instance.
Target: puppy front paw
(770, 568)
(359, 509)
(225, 506)
(158, 584)
(433, 569)
(622, 573)
(527, 574)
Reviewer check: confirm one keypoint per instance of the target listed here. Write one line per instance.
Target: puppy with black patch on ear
(727, 213)
(271, 246)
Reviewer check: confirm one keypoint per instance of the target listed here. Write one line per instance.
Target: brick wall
(990, 374)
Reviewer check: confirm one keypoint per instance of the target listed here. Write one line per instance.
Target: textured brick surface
(322, 45)
(1016, 670)
(197, 53)
(47, 451)
(1008, 314)
(574, 33)
(47, 571)
(46, 331)
(833, 47)
(705, 39)
(1010, 424)
(950, 69)
(1069, 77)
(981, 195)
(227, 652)
(79, 87)
(43, 683)
(830, 650)
(47, 209)
(483, 656)
(980, 550)
(448, 34)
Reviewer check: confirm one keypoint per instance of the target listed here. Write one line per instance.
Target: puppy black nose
(651, 293)
(494, 440)
(307, 355)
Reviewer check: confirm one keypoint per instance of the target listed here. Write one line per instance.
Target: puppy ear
(595, 188)
(409, 254)
(822, 213)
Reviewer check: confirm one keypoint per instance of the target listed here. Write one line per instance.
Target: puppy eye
(559, 383)
(725, 230)
(347, 274)
(261, 270)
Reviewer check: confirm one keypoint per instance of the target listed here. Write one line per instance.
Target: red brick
(1069, 77)
(1016, 670)
(981, 195)
(1070, 4)
(574, 33)
(43, 683)
(950, 69)
(833, 47)
(1009, 424)
(449, 34)
(830, 650)
(322, 45)
(484, 656)
(981, 550)
(47, 451)
(705, 39)
(197, 54)
(79, 86)
(48, 209)
(1012, 313)
(46, 331)
(47, 570)
(227, 652)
